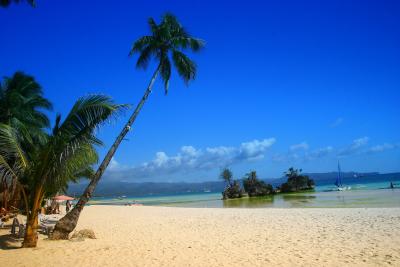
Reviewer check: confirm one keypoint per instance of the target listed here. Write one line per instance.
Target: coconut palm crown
(166, 43)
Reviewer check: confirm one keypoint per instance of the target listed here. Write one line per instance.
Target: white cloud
(255, 149)
(113, 164)
(336, 123)
(355, 147)
(321, 152)
(190, 159)
(302, 154)
(301, 146)
(383, 147)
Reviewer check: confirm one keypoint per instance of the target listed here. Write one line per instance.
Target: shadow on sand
(8, 240)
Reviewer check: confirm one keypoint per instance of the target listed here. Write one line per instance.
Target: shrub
(255, 187)
(296, 182)
(233, 190)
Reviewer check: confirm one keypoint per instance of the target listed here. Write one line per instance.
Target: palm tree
(67, 154)
(165, 44)
(226, 175)
(21, 107)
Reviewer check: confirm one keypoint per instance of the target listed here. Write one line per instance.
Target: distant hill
(145, 189)
(112, 189)
(329, 177)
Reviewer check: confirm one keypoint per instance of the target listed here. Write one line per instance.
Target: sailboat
(338, 182)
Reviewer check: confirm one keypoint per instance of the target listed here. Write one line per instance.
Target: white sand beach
(161, 236)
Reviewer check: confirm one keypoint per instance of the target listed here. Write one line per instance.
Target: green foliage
(232, 188)
(165, 44)
(296, 182)
(22, 105)
(233, 191)
(226, 175)
(255, 187)
(67, 153)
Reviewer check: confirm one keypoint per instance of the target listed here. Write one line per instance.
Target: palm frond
(185, 67)
(10, 146)
(85, 117)
(153, 25)
(165, 71)
(144, 57)
(6, 169)
(141, 44)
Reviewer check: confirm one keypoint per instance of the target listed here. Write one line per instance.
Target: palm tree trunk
(13, 187)
(5, 193)
(68, 223)
(30, 238)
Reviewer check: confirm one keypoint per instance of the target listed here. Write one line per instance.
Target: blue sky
(279, 84)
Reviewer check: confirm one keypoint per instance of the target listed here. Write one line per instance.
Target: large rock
(85, 233)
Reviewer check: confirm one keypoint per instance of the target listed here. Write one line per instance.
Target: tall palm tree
(21, 107)
(66, 155)
(165, 44)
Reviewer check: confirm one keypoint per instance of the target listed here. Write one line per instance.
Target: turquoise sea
(366, 194)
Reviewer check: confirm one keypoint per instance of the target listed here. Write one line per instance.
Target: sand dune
(158, 236)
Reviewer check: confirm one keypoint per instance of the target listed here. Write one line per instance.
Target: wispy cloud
(355, 147)
(301, 146)
(383, 147)
(190, 159)
(336, 123)
(320, 153)
(302, 154)
(302, 151)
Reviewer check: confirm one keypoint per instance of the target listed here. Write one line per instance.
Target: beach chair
(14, 226)
(47, 223)
(46, 228)
(21, 228)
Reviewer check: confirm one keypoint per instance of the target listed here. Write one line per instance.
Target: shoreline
(171, 236)
(334, 199)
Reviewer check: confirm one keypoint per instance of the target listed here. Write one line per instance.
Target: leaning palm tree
(165, 44)
(21, 107)
(67, 154)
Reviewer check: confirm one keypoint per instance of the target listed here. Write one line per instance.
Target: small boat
(338, 182)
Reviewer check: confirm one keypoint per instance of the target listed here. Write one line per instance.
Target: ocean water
(363, 194)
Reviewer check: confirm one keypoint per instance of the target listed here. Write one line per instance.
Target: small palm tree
(67, 154)
(165, 44)
(21, 107)
(226, 175)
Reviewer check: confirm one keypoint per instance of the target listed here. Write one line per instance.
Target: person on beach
(67, 206)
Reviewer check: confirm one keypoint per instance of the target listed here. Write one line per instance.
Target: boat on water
(338, 183)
